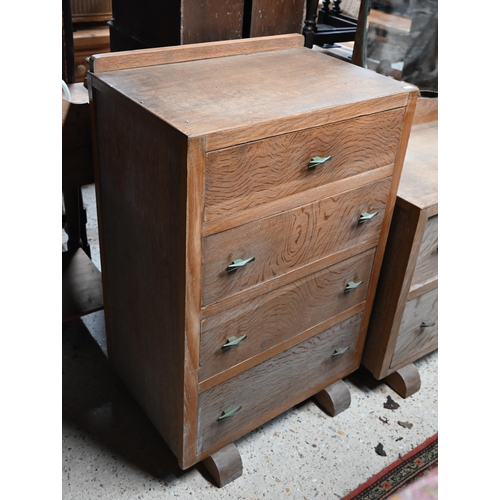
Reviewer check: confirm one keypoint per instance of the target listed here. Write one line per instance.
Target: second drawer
(278, 244)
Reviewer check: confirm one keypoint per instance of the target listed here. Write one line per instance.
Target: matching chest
(404, 322)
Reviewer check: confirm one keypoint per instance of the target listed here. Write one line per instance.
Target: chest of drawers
(404, 322)
(244, 192)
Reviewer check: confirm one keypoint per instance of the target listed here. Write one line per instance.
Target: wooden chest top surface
(419, 178)
(206, 96)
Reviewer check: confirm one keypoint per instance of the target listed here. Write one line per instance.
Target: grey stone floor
(111, 450)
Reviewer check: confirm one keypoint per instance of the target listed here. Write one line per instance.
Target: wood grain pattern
(249, 175)
(296, 200)
(276, 316)
(290, 240)
(412, 337)
(284, 379)
(426, 267)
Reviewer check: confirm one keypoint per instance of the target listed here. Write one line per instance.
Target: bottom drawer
(418, 333)
(275, 385)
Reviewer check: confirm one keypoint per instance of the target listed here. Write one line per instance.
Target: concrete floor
(111, 450)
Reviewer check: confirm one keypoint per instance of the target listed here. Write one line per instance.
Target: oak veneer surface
(169, 300)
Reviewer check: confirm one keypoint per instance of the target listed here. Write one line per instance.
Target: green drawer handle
(236, 264)
(232, 342)
(351, 285)
(365, 216)
(228, 412)
(425, 324)
(338, 352)
(318, 160)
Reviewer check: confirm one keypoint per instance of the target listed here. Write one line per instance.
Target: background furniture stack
(243, 215)
(90, 32)
(139, 24)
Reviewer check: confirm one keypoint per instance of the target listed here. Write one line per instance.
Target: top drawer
(249, 175)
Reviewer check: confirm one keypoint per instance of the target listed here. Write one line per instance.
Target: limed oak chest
(245, 191)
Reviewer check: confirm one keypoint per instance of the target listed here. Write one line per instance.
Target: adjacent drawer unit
(242, 226)
(403, 326)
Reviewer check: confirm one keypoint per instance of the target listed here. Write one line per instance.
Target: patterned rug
(417, 466)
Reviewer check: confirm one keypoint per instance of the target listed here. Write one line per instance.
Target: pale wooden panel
(284, 313)
(249, 175)
(426, 268)
(279, 382)
(413, 340)
(290, 240)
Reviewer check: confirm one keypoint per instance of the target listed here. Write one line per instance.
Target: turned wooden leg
(334, 399)
(405, 381)
(224, 465)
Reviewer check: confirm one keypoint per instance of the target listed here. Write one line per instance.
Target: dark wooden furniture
(139, 24)
(81, 280)
(91, 11)
(243, 214)
(332, 25)
(404, 322)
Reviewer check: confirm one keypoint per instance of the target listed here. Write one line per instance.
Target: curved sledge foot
(334, 399)
(224, 465)
(405, 381)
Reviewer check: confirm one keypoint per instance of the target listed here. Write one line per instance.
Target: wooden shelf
(81, 286)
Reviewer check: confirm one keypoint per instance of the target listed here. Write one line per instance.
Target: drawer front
(414, 339)
(291, 239)
(427, 262)
(272, 318)
(249, 175)
(276, 384)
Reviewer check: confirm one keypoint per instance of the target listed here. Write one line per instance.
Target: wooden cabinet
(243, 206)
(404, 323)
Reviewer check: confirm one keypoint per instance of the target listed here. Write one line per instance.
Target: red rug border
(390, 467)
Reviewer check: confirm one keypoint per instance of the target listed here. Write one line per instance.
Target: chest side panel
(141, 176)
